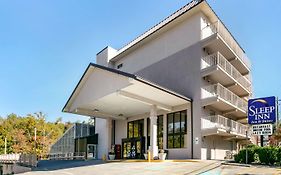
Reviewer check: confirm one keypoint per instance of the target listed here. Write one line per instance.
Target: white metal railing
(23, 159)
(66, 156)
(224, 93)
(249, 77)
(219, 28)
(238, 128)
(221, 61)
(220, 122)
(215, 121)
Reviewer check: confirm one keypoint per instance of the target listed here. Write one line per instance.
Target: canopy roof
(109, 93)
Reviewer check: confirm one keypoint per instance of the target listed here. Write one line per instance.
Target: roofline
(135, 77)
(224, 25)
(76, 87)
(158, 27)
(102, 50)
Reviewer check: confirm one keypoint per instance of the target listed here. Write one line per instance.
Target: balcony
(222, 99)
(219, 125)
(217, 68)
(216, 37)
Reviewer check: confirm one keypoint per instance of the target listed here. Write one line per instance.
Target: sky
(45, 46)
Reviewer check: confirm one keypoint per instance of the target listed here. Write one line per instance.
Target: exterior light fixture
(96, 110)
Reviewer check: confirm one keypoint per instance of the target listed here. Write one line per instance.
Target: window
(176, 127)
(135, 129)
(119, 66)
(159, 131)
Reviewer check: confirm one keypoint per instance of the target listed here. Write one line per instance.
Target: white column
(153, 131)
(165, 131)
(109, 128)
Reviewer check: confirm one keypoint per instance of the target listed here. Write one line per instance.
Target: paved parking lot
(124, 168)
(233, 170)
(152, 168)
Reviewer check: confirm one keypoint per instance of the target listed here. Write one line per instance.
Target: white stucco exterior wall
(184, 34)
(215, 147)
(120, 131)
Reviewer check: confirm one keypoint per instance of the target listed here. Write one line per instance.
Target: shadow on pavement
(49, 165)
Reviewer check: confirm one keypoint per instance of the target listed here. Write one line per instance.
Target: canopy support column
(153, 131)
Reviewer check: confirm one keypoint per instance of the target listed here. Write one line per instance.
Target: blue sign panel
(262, 110)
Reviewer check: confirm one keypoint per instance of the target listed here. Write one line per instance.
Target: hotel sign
(262, 110)
(264, 129)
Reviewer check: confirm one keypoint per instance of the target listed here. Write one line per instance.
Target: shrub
(278, 155)
(241, 156)
(267, 155)
(264, 155)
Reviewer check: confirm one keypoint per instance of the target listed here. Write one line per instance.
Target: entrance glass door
(133, 148)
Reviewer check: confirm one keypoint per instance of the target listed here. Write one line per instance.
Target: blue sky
(45, 46)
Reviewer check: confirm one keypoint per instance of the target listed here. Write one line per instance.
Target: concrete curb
(205, 168)
(236, 164)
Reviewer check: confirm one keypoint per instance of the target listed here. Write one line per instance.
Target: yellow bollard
(148, 156)
(104, 157)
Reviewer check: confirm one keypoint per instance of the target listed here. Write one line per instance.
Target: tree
(275, 139)
(20, 133)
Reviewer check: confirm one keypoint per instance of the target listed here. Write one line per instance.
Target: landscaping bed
(267, 155)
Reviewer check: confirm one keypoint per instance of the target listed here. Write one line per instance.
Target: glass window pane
(183, 142)
(177, 122)
(125, 150)
(130, 130)
(170, 141)
(170, 124)
(138, 147)
(141, 125)
(148, 126)
(160, 125)
(176, 141)
(136, 129)
(160, 142)
(183, 121)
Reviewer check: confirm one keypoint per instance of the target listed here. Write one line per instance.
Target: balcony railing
(220, 122)
(219, 28)
(220, 60)
(248, 77)
(217, 90)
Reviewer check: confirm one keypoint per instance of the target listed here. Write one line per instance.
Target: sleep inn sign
(262, 110)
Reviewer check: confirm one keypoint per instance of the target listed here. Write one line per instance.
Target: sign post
(247, 149)
(277, 113)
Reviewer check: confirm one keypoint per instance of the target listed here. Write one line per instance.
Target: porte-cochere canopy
(109, 93)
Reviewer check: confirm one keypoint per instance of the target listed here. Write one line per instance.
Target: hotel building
(181, 86)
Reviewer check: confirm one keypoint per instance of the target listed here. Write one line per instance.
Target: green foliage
(241, 156)
(264, 155)
(20, 133)
(267, 155)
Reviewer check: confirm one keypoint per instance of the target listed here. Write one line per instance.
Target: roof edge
(63, 109)
(159, 26)
(135, 77)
